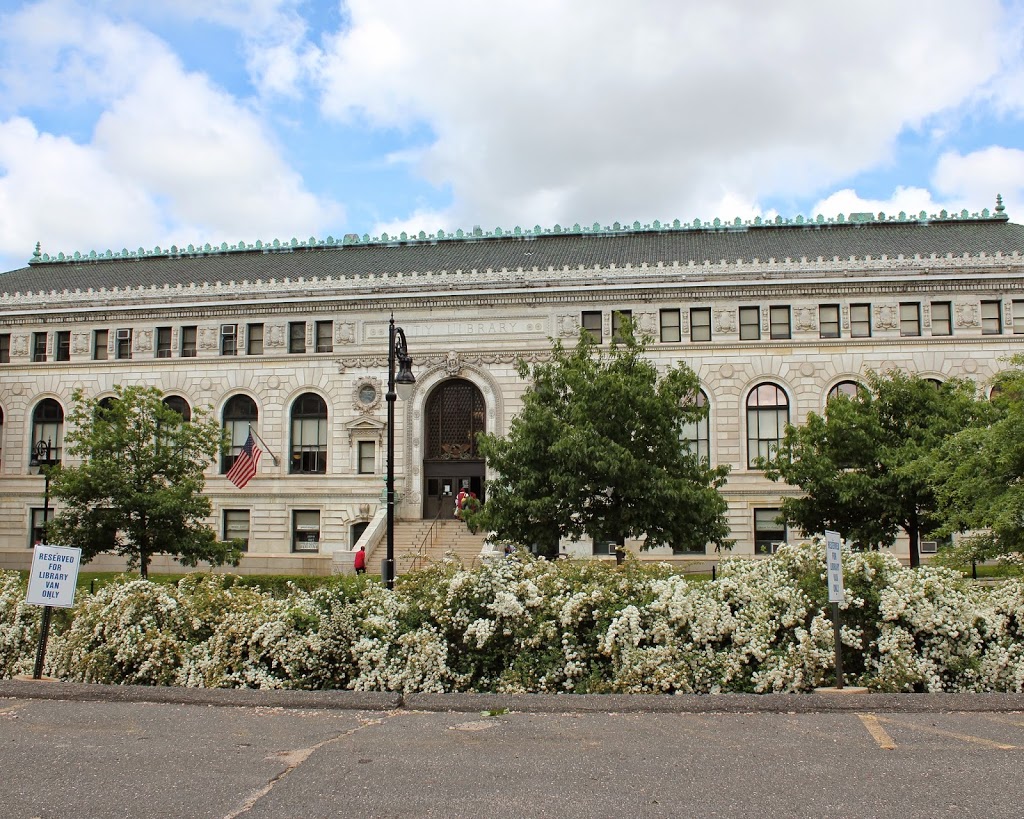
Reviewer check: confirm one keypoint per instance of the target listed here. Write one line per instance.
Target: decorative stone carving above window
(209, 338)
(80, 343)
(144, 341)
(367, 394)
(646, 322)
(19, 345)
(966, 314)
(365, 428)
(725, 321)
(453, 363)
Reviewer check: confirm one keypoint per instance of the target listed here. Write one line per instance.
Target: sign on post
(54, 576)
(834, 559)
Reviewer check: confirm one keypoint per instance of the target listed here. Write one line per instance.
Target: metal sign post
(51, 582)
(836, 594)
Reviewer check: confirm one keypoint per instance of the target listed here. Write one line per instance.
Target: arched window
(239, 415)
(180, 406)
(455, 413)
(767, 416)
(848, 388)
(48, 427)
(1, 434)
(697, 434)
(309, 435)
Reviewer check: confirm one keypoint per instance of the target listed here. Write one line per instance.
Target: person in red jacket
(360, 561)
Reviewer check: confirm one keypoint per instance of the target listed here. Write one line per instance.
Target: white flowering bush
(526, 625)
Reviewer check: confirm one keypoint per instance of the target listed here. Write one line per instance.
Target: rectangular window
(325, 336)
(942, 318)
(100, 341)
(591, 321)
(778, 325)
(123, 344)
(1018, 317)
(297, 337)
(64, 345)
(236, 526)
(828, 321)
(750, 323)
(617, 317)
(188, 342)
(768, 531)
(306, 530)
(5, 348)
(670, 326)
(37, 530)
(163, 342)
(860, 320)
(700, 324)
(910, 318)
(254, 339)
(367, 458)
(991, 318)
(39, 346)
(229, 339)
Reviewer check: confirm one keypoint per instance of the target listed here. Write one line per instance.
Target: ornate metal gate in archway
(455, 413)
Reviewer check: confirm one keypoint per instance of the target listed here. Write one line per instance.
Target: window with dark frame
(750, 323)
(306, 530)
(670, 326)
(296, 337)
(910, 318)
(697, 434)
(239, 416)
(700, 324)
(617, 322)
(236, 526)
(5, 348)
(39, 347)
(63, 352)
(123, 344)
(229, 339)
(188, 341)
(367, 457)
(942, 318)
(48, 425)
(309, 435)
(590, 321)
(100, 344)
(36, 528)
(991, 318)
(254, 339)
(828, 321)
(778, 322)
(1018, 316)
(163, 342)
(767, 417)
(860, 321)
(325, 336)
(769, 532)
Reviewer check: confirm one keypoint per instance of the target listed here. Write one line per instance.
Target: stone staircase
(419, 543)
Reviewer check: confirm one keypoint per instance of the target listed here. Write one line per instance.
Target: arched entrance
(455, 414)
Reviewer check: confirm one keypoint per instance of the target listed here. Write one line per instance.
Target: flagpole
(266, 448)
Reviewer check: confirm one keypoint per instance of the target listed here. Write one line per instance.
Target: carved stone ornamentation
(806, 319)
(344, 332)
(568, 324)
(453, 363)
(209, 338)
(646, 322)
(275, 336)
(19, 345)
(144, 341)
(80, 343)
(886, 317)
(725, 321)
(366, 394)
(966, 314)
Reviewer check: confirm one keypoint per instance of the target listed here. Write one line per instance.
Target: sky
(144, 123)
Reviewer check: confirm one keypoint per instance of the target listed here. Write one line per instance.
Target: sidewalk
(819, 702)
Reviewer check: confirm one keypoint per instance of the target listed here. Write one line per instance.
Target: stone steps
(417, 545)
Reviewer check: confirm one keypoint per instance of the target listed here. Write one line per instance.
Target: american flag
(244, 467)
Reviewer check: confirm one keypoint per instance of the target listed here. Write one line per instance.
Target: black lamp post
(397, 349)
(42, 456)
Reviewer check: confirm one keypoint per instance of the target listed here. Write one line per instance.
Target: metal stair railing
(419, 556)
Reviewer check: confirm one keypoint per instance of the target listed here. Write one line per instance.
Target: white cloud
(980, 175)
(550, 111)
(908, 200)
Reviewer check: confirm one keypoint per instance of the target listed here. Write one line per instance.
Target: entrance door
(455, 413)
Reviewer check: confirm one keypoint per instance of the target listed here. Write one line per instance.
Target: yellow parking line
(965, 737)
(878, 733)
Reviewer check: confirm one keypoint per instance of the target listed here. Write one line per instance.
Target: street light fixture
(404, 381)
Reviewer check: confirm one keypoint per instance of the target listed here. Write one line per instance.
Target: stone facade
(940, 297)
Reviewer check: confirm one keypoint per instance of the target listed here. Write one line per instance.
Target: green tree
(866, 465)
(139, 488)
(979, 477)
(596, 450)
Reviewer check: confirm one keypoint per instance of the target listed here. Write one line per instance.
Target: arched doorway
(455, 414)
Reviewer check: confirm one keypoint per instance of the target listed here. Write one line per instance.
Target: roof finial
(37, 254)
(999, 203)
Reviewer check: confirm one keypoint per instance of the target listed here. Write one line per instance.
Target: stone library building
(291, 338)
